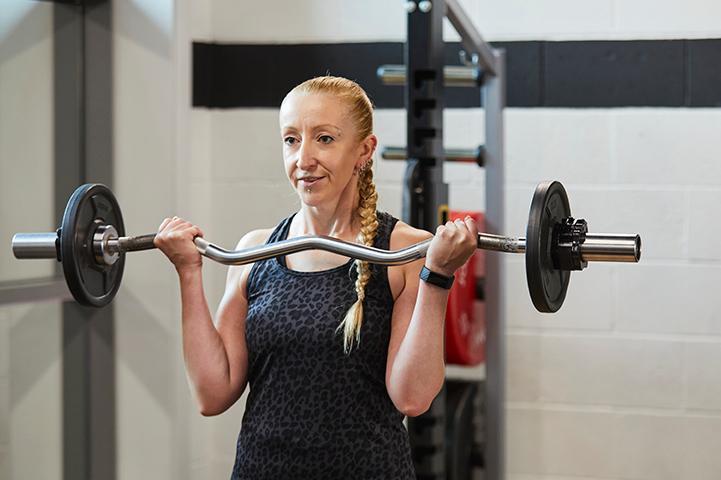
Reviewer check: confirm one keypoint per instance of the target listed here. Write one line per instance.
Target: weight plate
(90, 206)
(546, 284)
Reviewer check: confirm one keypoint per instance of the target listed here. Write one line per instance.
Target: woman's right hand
(175, 239)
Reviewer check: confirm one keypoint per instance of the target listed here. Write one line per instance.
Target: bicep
(403, 311)
(230, 323)
(401, 317)
(408, 277)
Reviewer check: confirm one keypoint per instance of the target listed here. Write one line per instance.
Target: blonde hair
(361, 110)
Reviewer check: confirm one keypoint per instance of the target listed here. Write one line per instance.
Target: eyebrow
(338, 131)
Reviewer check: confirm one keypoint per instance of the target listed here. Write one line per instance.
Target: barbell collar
(610, 247)
(598, 247)
(101, 243)
(35, 245)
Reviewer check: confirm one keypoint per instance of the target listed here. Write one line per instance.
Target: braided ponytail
(353, 320)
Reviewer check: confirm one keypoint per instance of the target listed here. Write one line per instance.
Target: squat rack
(425, 197)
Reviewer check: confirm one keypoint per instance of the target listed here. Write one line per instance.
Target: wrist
(445, 271)
(436, 278)
(189, 272)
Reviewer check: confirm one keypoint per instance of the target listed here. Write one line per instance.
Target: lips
(308, 181)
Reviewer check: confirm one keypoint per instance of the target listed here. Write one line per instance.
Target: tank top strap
(280, 232)
(386, 224)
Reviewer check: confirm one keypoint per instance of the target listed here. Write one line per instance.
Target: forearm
(206, 360)
(419, 368)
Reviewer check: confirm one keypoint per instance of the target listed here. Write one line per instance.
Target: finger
(191, 231)
(171, 223)
(195, 231)
(178, 223)
(471, 225)
(163, 224)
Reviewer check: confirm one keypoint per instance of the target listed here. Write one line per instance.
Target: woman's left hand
(452, 246)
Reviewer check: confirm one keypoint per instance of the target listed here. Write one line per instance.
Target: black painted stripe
(653, 73)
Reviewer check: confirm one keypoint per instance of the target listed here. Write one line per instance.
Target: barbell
(91, 245)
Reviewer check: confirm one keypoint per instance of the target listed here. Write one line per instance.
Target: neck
(336, 219)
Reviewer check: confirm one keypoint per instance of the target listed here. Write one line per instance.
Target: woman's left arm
(415, 371)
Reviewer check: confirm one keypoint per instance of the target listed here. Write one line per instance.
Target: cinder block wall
(623, 382)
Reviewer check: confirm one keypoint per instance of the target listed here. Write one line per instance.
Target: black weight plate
(90, 206)
(546, 284)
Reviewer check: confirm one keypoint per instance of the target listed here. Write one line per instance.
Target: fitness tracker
(436, 279)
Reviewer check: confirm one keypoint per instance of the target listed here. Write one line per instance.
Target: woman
(336, 352)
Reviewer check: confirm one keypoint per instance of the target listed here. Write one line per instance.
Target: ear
(366, 149)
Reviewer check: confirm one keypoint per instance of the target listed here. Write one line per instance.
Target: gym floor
(617, 99)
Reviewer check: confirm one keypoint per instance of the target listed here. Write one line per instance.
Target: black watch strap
(436, 278)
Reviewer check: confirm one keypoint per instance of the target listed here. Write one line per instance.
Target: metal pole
(425, 195)
(493, 101)
(470, 38)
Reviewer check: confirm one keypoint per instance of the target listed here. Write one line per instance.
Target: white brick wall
(633, 355)
(628, 372)
(669, 299)
(554, 443)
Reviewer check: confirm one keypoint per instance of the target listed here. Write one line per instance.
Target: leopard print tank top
(314, 412)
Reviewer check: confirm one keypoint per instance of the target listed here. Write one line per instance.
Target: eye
(325, 139)
(290, 141)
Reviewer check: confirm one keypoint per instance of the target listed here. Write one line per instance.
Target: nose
(306, 157)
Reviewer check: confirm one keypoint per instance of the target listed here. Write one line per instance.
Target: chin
(311, 199)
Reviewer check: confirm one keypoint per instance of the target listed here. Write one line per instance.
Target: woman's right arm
(216, 356)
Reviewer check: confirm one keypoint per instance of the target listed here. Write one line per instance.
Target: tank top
(314, 412)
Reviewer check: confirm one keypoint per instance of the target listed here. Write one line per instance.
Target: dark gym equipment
(464, 429)
(91, 246)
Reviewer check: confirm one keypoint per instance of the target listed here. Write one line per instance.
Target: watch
(436, 279)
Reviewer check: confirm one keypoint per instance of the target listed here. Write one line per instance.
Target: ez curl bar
(91, 246)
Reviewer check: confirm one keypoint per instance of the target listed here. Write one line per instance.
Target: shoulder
(403, 235)
(238, 275)
(254, 238)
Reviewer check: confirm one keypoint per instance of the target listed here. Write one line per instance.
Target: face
(321, 147)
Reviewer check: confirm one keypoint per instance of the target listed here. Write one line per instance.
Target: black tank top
(314, 412)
